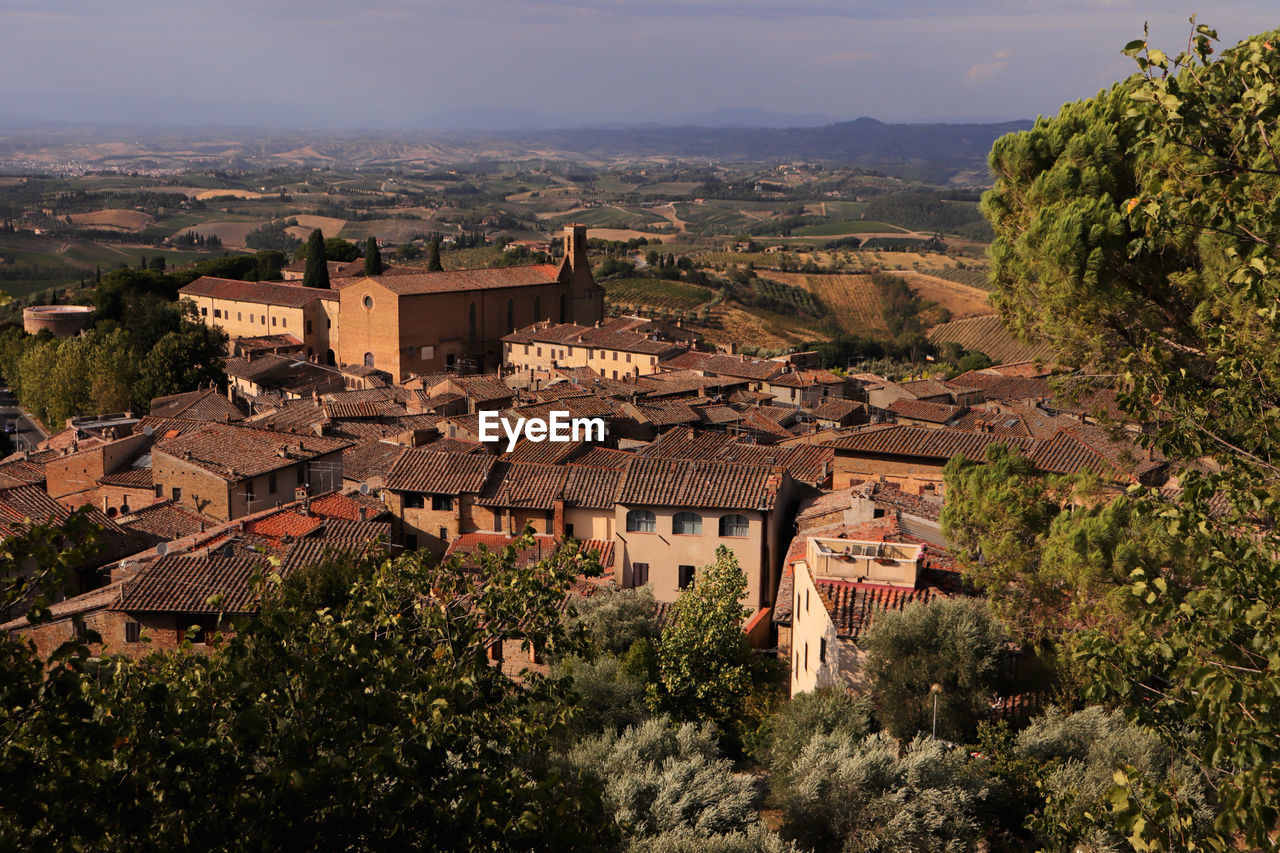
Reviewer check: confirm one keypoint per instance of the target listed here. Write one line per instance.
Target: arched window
(511, 315)
(734, 525)
(641, 521)
(471, 322)
(537, 308)
(686, 524)
(368, 359)
(564, 308)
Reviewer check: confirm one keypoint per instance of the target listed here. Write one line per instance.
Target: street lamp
(936, 690)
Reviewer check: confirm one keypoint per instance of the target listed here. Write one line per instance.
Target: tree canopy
(316, 273)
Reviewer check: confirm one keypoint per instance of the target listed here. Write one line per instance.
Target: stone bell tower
(584, 298)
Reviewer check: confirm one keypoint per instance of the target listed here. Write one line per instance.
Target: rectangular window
(411, 541)
(132, 632)
(686, 577)
(217, 314)
(444, 534)
(159, 490)
(273, 321)
(239, 316)
(628, 358)
(177, 494)
(806, 657)
(271, 483)
(308, 327)
(539, 352)
(204, 312)
(568, 530)
(806, 601)
(640, 573)
(284, 321)
(615, 355)
(526, 349)
(413, 500)
(442, 502)
(248, 492)
(197, 634)
(822, 650)
(264, 319)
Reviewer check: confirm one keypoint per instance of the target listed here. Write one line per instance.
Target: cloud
(846, 57)
(982, 71)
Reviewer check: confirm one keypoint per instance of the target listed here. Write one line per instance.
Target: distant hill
(939, 153)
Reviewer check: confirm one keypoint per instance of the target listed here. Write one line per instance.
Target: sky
(567, 63)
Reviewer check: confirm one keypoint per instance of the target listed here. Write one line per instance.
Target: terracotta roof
(129, 478)
(853, 606)
(715, 364)
(22, 505)
(516, 484)
(547, 452)
(1089, 448)
(186, 583)
(347, 506)
(418, 282)
(235, 453)
(919, 410)
(605, 457)
(942, 444)
(835, 409)
(808, 463)
(592, 488)
(261, 292)
(719, 485)
(291, 375)
(165, 427)
(610, 336)
(205, 405)
(998, 387)
(395, 393)
(28, 468)
(424, 470)
(543, 547)
(675, 383)
(717, 414)
(688, 443)
(363, 410)
(665, 413)
(483, 387)
(371, 459)
(924, 389)
(806, 379)
(166, 521)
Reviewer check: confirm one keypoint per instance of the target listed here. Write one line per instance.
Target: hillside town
(351, 422)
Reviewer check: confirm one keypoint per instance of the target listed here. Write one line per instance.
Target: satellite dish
(162, 548)
(364, 488)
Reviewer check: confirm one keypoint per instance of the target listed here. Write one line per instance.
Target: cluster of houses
(826, 487)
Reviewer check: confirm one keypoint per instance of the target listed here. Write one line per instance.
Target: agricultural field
(124, 220)
(853, 299)
(990, 336)
(657, 294)
(843, 227)
(960, 299)
(970, 276)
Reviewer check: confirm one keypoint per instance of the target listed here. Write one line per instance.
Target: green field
(845, 226)
(605, 217)
(657, 293)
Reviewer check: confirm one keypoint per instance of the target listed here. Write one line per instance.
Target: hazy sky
(399, 63)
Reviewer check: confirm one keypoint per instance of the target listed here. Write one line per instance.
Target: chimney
(364, 514)
(557, 517)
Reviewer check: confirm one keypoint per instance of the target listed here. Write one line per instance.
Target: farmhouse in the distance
(410, 322)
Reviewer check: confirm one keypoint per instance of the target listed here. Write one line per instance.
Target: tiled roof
(347, 506)
(261, 292)
(372, 459)
(166, 521)
(806, 379)
(517, 484)
(679, 383)
(483, 387)
(605, 457)
(165, 427)
(27, 469)
(717, 414)
(808, 463)
(129, 478)
(546, 452)
(395, 393)
(1089, 448)
(592, 488)
(418, 283)
(897, 440)
(923, 389)
(665, 413)
(919, 410)
(853, 606)
(455, 445)
(740, 366)
(543, 547)
(424, 470)
(363, 410)
(286, 374)
(612, 335)
(835, 409)
(205, 405)
(186, 583)
(998, 387)
(235, 452)
(688, 443)
(719, 485)
(22, 505)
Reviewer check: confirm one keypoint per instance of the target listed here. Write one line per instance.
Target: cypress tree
(372, 257)
(433, 263)
(317, 272)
